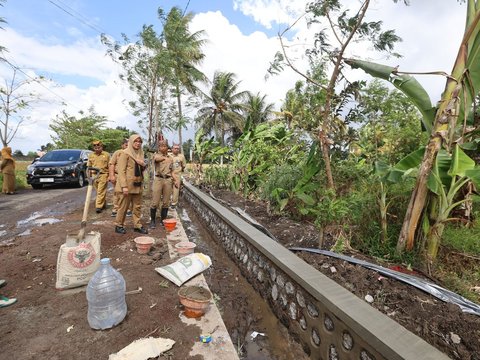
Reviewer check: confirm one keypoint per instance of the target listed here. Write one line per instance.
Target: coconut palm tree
(222, 107)
(257, 109)
(185, 54)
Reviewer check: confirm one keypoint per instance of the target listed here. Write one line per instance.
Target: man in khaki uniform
(99, 159)
(179, 164)
(164, 179)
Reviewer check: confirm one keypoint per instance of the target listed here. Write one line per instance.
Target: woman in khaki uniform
(112, 177)
(7, 167)
(129, 184)
(162, 183)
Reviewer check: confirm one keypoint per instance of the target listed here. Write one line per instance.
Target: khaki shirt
(7, 166)
(99, 161)
(163, 168)
(114, 159)
(179, 163)
(126, 174)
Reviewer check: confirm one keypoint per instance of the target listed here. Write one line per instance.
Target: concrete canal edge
(221, 346)
(329, 321)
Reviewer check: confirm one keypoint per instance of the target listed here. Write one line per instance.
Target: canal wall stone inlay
(328, 320)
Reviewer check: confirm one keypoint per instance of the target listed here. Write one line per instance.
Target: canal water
(255, 331)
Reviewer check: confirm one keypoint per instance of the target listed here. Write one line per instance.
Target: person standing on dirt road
(179, 164)
(129, 184)
(99, 159)
(163, 181)
(4, 301)
(112, 177)
(7, 167)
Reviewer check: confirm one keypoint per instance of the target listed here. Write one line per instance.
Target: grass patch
(463, 239)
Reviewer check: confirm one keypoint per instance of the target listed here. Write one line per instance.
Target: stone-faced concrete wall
(329, 322)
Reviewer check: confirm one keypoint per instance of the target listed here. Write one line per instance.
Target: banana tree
(461, 87)
(205, 149)
(448, 176)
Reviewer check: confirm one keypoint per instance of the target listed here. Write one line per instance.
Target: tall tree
(2, 21)
(291, 110)
(389, 124)
(257, 110)
(185, 54)
(222, 106)
(76, 132)
(148, 73)
(345, 29)
(14, 97)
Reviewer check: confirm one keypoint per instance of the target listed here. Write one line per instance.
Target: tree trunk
(382, 202)
(151, 109)
(433, 243)
(326, 159)
(448, 109)
(180, 118)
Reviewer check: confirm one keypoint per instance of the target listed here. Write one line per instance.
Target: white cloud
(430, 43)
(268, 12)
(85, 57)
(431, 31)
(247, 56)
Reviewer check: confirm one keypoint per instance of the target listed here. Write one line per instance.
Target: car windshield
(63, 155)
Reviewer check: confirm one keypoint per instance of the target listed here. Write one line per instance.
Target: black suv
(66, 166)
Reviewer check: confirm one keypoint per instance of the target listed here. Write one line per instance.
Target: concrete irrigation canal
(328, 321)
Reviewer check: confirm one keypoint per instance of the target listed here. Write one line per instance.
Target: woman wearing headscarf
(129, 184)
(7, 167)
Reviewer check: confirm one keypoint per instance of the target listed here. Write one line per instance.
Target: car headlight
(30, 168)
(69, 167)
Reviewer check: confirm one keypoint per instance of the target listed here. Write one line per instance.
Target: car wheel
(81, 180)
(37, 186)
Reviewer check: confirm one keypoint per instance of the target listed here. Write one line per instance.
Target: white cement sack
(143, 349)
(185, 268)
(77, 262)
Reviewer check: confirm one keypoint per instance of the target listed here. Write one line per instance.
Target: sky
(60, 39)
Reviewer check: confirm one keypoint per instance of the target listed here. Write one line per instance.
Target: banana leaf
(405, 83)
(404, 166)
(461, 162)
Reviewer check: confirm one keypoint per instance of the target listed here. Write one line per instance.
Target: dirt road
(29, 208)
(47, 323)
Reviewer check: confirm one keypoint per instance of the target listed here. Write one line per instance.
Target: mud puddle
(255, 331)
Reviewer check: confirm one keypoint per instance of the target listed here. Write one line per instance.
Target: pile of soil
(441, 324)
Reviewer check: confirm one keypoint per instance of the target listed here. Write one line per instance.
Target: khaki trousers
(116, 202)
(100, 186)
(176, 193)
(162, 191)
(124, 201)
(8, 183)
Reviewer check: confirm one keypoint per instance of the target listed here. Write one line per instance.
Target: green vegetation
(375, 168)
(353, 172)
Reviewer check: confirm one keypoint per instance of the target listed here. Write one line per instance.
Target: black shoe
(129, 213)
(164, 214)
(141, 230)
(120, 230)
(98, 210)
(114, 213)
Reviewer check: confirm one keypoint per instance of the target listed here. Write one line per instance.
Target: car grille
(47, 171)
